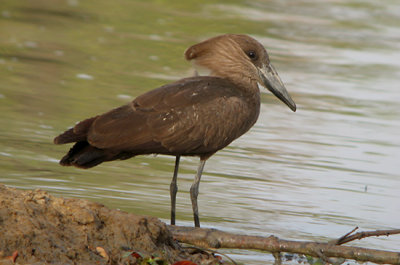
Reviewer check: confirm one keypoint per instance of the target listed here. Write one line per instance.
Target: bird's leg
(173, 189)
(194, 192)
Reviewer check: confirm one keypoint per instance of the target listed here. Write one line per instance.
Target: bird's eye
(251, 54)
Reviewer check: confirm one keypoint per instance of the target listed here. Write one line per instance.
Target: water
(310, 175)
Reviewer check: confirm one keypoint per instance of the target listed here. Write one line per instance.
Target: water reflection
(313, 174)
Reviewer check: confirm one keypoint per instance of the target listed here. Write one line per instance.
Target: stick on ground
(212, 238)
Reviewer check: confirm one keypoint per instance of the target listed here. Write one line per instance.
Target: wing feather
(192, 116)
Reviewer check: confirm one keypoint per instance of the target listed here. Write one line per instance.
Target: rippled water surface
(310, 175)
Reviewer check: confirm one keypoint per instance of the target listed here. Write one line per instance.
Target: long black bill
(274, 84)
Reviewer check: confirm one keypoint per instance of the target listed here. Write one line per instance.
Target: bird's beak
(273, 83)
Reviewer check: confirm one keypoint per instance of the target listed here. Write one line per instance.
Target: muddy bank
(48, 230)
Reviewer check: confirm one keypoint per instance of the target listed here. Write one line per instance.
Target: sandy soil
(44, 229)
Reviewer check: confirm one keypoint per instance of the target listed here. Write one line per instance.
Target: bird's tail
(76, 134)
(83, 155)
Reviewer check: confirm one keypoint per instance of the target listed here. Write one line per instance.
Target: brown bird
(195, 116)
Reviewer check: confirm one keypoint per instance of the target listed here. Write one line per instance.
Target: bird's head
(241, 59)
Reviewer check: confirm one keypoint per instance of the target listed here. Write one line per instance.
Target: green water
(310, 175)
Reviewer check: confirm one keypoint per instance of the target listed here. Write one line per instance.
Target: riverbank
(45, 229)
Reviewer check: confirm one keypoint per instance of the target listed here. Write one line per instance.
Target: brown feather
(194, 116)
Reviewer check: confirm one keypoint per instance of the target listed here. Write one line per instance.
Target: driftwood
(212, 238)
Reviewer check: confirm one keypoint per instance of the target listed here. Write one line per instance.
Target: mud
(45, 229)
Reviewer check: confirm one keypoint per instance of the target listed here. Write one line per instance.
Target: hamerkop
(194, 116)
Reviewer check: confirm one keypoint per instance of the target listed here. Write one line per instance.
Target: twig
(212, 251)
(278, 258)
(337, 241)
(360, 235)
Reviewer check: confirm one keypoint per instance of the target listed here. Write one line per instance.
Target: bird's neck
(243, 80)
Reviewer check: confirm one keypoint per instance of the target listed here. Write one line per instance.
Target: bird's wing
(201, 128)
(192, 115)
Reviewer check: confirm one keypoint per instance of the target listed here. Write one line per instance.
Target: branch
(360, 235)
(212, 238)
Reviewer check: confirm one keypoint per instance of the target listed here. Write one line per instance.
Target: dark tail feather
(75, 134)
(69, 136)
(83, 155)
